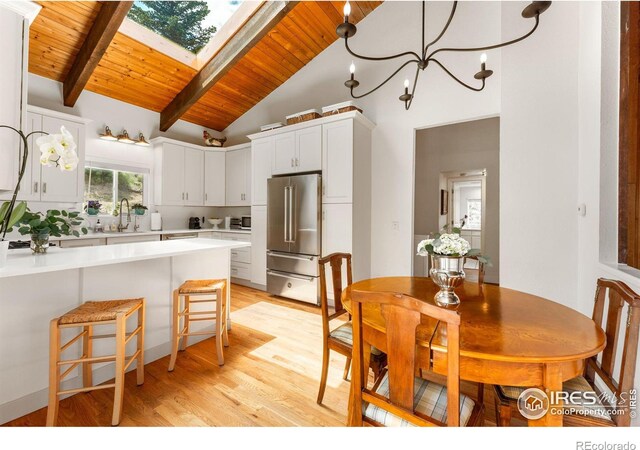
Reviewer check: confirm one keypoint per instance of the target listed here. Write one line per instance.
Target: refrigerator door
(278, 214)
(304, 199)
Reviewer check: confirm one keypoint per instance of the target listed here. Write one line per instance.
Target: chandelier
(426, 54)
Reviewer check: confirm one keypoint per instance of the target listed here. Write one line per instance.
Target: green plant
(53, 222)
(138, 206)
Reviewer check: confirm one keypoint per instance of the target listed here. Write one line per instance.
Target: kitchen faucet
(120, 226)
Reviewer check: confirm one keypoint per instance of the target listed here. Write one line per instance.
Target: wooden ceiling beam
(239, 45)
(95, 45)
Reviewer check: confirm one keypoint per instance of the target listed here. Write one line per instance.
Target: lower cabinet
(76, 243)
(240, 257)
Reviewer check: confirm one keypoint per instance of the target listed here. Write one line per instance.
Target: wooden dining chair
(400, 398)
(340, 338)
(475, 273)
(601, 365)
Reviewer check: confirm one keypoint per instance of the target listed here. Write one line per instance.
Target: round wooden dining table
(507, 337)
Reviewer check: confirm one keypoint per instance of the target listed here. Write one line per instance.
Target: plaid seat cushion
(577, 384)
(344, 333)
(429, 399)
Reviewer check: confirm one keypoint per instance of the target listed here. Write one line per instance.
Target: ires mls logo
(533, 403)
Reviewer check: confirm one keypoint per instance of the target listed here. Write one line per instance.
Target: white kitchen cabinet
(261, 157)
(259, 244)
(76, 243)
(298, 151)
(337, 235)
(238, 176)
(193, 177)
(129, 239)
(179, 173)
(50, 184)
(337, 162)
(13, 72)
(214, 178)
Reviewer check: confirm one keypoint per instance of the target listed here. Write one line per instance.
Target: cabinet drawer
(242, 255)
(245, 237)
(132, 239)
(82, 243)
(240, 270)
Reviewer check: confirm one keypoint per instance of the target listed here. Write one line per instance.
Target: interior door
(309, 149)
(305, 216)
(278, 214)
(193, 179)
(58, 186)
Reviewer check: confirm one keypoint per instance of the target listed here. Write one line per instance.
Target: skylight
(189, 24)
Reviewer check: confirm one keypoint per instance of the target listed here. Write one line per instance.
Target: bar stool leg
(220, 326)
(140, 346)
(176, 330)
(118, 395)
(87, 351)
(185, 319)
(224, 314)
(54, 373)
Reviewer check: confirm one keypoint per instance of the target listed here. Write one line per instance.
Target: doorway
(467, 196)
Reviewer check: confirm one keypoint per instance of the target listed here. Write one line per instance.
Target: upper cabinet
(238, 175)
(214, 178)
(337, 162)
(298, 151)
(178, 174)
(12, 74)
(49, 184)
(261, 157)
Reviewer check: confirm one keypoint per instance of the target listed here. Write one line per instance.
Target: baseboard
(32, 402)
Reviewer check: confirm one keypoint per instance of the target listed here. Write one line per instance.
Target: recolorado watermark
(534, 403)
(589, 445)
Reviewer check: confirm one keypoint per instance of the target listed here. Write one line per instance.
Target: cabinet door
(261, 156)
(337, 162)
(58, 186)
(30, 184)
(235, 178)
(193, 177)
(308, 149)
(246, 197)
(284, 153)
(172, 175)
(337, 219)
(259, 245)
(214, 178)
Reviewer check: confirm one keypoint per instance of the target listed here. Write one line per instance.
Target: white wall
(439, 100)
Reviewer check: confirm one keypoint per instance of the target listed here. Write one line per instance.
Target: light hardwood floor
(270, 378)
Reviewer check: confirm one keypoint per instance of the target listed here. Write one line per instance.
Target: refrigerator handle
(287, 213)
(292, 214)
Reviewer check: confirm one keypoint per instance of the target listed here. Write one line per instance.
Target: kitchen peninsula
(36, 288)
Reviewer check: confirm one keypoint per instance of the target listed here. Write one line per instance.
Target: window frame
(144, 171)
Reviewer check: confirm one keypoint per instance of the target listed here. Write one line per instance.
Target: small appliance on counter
(235, 224)
(194, 223)
(156, 221)
(245, 223)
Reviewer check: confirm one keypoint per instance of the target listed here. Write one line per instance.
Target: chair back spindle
(614, 295)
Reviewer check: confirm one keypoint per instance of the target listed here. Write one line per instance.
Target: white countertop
(113, 234)
(23, 262)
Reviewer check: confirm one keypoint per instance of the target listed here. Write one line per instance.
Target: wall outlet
(395, 226)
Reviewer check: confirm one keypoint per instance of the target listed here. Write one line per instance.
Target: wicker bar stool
(204, 291)
(87, 316)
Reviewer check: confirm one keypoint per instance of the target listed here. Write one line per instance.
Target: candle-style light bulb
(483, 58)
(352, 68)
(347, 9)
(406, 83)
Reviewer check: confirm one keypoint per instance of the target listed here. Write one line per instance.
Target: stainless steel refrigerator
(294, 236)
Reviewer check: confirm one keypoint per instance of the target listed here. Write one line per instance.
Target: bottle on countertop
(98, 228)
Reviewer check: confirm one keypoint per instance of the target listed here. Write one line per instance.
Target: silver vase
(447, 273)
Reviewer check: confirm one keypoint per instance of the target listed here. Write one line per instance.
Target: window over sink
(108, 183)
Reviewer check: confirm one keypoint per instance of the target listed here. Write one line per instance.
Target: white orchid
(58, 150)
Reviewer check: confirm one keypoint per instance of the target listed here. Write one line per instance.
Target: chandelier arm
(424, 3)
(444, 30)
(381, 58)
(385, 81)
(456, 78)
(407, 105)
(489, 47)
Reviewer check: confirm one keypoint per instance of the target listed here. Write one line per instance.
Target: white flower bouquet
(449, 244)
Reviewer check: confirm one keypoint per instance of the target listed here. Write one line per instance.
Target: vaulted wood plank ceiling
(136, 73)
